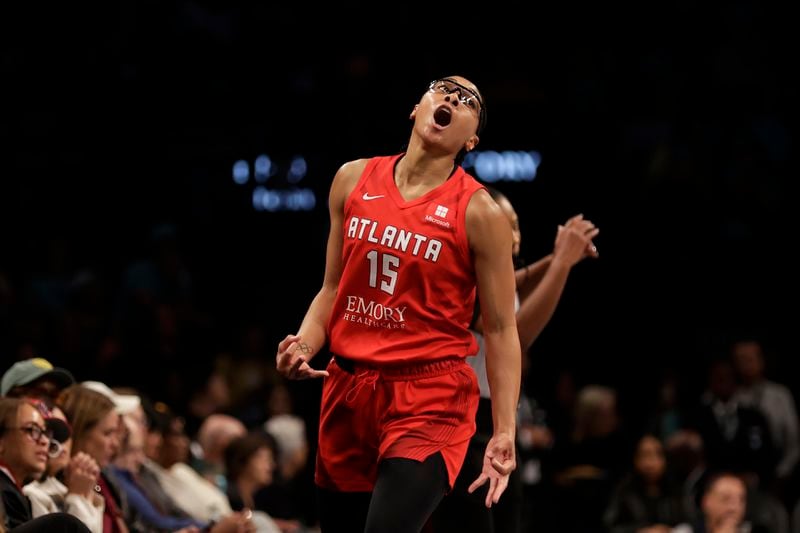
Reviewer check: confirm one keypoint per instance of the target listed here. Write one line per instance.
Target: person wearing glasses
(24, 442)
(413, 237)
(69, 480)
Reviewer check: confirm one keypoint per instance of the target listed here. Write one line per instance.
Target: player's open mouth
(442, 116)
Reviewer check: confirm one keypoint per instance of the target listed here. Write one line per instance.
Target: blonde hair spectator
(84, 409)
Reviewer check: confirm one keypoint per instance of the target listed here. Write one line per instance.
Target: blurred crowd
(122, 408)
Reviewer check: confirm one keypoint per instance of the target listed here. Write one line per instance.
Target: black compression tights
(406, 493)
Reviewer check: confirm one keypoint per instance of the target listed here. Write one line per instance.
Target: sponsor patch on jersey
(437, 214)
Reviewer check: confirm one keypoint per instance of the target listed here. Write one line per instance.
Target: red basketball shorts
(371, 414)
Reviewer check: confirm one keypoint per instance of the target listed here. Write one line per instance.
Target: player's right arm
(295, 351)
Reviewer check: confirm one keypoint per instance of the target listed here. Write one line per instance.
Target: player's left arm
(490, 241)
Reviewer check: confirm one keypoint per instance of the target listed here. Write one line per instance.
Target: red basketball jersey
(407, 289)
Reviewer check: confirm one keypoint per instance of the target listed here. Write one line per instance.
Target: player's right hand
(291, 360)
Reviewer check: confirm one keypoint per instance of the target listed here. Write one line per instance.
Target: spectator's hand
(81, 475)
(235, 523)
(291, 360)
(498, 462)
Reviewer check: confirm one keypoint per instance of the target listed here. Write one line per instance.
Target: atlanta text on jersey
(394, 238)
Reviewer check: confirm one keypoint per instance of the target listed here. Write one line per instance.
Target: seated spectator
(95, 431)
(123, 403)
(76, 495)
(24, 441)
(723, 507)
(146, 478)
(213, 437)
(135, 507)
(773, 400)
(686, 456)
(195, 495)
(292, 481)
(588, 465)
(646, 500)
(35, 378)
(289, 431)
(126, 469)
(250, 463)
(736, 437)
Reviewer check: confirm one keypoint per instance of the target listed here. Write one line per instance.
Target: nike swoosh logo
(368, 197)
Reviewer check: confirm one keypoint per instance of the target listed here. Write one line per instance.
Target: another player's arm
(530, 275)
(538, 306)
(295, 351)
(573, 243)
(525, 279)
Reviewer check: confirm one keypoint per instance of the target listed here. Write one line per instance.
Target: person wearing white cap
(123, 403)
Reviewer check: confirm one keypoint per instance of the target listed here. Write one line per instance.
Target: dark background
(671, 126)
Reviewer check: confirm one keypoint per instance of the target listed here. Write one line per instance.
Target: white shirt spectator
(190, 491)
(46, 495)
(776, 403)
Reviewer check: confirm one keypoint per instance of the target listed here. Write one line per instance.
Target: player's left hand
(499, 461)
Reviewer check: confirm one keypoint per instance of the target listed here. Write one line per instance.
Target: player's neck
(415, 169)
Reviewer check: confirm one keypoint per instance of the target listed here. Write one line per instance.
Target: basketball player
(412, 236)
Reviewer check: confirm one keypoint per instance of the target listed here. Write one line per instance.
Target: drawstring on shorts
(365, 377)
